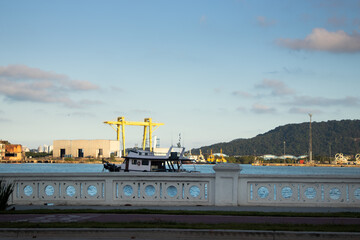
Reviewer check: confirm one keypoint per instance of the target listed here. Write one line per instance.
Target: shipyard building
(10, 152)
(2, 151)
(86, 148)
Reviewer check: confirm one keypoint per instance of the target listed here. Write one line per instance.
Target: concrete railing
(304, 190)
(112, 188)
(225, 187)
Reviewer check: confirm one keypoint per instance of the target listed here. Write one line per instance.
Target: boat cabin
(146, 161)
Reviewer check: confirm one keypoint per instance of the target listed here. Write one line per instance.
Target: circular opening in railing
(49, 190)
(28, 190)
(128, 190)
(70, 191)
(171, 191)
(310, 193)
(286, 192)
(335, 193)
(263, 192)
(150, 190)
(194, 191)
(91, 190)
(357, 193)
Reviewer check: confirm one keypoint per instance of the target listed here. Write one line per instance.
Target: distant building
(287, 157)
(86, 148)
(13, 152)
(25, 149)
(2, 151)
(156, 142)
(269, 157)
(40, 149)
(220, 154)
(45, 149)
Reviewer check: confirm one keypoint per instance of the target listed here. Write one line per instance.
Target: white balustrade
(112, 188)
(226, 187)
(311, 191)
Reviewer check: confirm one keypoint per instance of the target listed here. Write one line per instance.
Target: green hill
(329, 137)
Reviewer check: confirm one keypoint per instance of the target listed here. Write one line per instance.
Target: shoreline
(62, 161)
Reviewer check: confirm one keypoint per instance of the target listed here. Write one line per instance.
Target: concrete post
(226, 184)
(109, 191)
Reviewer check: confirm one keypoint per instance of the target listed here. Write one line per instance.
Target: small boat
(147, 161)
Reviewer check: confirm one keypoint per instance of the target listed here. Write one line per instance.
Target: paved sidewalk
(166, 234)
(192, 219)
(199, 208)
(178, 234)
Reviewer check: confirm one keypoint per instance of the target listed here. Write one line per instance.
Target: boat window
(133, 161)
(145, 162)
(139, 153)
(146, 154)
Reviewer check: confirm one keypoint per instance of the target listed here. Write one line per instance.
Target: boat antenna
(179, 143)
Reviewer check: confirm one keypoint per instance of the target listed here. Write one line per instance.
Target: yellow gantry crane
(211, 157)
(149, 127)
(221, 159)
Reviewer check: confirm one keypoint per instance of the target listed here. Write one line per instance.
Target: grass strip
(185, 212)
(172, 225)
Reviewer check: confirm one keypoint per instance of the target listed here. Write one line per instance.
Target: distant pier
(61, 160)
(305, 165)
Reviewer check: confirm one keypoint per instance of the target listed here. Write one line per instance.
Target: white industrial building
(86, 148)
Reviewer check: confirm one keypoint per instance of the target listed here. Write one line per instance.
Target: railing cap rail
(227, 167)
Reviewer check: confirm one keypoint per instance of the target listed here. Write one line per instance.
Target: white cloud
(25, 72)
(325, 102)
(23, 83)
(259, 108)
(322, 40)
(297, 110)
(242, 94)
(277, 88)
(78, 85)
(264, 22)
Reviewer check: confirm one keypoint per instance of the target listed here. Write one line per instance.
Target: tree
(6, 189)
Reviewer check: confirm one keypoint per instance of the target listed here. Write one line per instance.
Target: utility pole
(284, 153)
(310, 141)
(284, 148)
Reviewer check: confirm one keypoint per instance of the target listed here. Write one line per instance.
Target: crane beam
(120, 127)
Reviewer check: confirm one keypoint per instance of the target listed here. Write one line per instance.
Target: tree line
(328, 138)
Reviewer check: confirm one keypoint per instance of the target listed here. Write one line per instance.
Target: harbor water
(205, 168)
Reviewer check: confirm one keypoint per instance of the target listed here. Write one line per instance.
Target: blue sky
(213, 71)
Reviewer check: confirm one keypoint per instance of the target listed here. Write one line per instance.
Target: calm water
(207, 168)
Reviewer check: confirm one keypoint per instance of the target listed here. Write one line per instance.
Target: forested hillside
(329, 138)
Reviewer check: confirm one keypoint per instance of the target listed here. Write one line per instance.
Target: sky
(212, 71)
